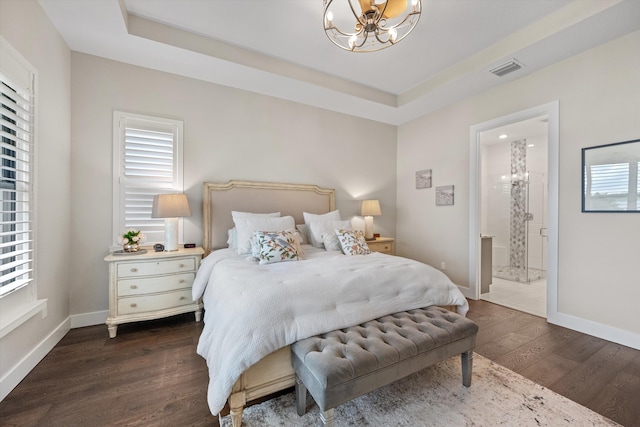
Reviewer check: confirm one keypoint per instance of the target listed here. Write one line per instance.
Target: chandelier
(369, 26)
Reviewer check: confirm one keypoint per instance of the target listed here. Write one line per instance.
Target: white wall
(47, 52)
(228, 134)
(599, 97)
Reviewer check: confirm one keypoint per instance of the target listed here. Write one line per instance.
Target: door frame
(552, 111)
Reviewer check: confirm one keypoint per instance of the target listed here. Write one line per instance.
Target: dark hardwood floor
(150, 375)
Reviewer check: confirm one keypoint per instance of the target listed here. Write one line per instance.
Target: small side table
(151, 285)
(384, 245)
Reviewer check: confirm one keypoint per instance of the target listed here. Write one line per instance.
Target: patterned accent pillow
(277, 246)
(352, 242)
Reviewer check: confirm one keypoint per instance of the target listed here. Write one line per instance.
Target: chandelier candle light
(170, 207)
(369, 26)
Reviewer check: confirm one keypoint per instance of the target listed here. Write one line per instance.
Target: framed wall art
(423, 179)
(444, 195)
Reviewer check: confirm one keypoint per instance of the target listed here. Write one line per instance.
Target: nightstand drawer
(152, 268)
(150, 303)
(385, 248)
(150, 285)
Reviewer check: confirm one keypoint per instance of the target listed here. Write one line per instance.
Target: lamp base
(170, 234)
(368, 228)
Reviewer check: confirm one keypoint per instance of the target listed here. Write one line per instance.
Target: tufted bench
(341, 365)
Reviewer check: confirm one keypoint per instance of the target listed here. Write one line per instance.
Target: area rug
(436, 397)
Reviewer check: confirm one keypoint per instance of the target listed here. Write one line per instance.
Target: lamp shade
(170, 206)
(370, 208)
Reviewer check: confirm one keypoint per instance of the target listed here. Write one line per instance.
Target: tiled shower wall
(518, 221)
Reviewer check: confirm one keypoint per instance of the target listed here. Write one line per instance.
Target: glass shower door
(536, 226)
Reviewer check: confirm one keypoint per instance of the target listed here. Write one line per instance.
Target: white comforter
(253, 310)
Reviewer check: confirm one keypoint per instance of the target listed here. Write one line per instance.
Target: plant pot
(131, 247)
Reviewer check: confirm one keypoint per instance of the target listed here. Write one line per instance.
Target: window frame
(20, 304)
(120, 119)
(19, 71)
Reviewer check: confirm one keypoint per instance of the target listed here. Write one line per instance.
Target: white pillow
(303, 229)
(309, 218)
(326, 232)
(237, 214)
(248, 225)
(232, 238)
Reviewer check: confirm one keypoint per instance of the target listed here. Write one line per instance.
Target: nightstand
(384, 245)
(151, 285)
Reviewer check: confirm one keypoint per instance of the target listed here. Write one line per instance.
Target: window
(147, 161)
(612, 186)
(16, 183)
(611, 177)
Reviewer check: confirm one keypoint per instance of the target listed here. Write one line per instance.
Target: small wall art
(423, 179)
(444, 195)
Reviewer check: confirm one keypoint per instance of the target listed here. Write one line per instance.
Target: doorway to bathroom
(513, 213)
(513, 199)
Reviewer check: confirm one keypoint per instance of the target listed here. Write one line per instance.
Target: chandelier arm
(337, 30)
(409, 16)
(364, 40)
(384, 8)
(377, 35)
(401, 23)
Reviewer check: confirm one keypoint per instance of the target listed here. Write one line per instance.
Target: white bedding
(253, 310)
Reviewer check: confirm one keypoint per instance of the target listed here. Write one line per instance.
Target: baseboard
(609, 333)
(12, 378)
(467, 292)
(89, 319)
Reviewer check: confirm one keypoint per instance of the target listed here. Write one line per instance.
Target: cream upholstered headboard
(261, 197)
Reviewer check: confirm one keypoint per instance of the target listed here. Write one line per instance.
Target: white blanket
(253, 310)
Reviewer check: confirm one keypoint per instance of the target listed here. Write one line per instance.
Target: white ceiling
(278, 47)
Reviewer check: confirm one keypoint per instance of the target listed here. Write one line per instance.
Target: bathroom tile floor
(527, 297)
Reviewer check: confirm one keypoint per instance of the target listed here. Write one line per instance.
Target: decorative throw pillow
(293, 236)
(277, 246)
(246, 226)
(352, 242)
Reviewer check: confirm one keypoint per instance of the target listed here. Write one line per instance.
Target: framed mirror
(611, 177)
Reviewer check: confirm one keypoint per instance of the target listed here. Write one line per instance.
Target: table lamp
(170, 207)
(370, 208)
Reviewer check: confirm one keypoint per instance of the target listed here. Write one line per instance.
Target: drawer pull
(134, 305)
(134, 287)
(133, 270)
(181, 281)
(182, 298)
(181, 265)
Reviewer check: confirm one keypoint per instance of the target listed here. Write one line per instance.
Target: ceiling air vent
(506, 67)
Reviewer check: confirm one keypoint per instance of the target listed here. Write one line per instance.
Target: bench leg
(467, 367)
(301, 397)
(326, 418)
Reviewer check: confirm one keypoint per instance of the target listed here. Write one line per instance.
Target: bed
(253, 312)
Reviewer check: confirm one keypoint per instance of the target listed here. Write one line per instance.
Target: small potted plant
(131, 240)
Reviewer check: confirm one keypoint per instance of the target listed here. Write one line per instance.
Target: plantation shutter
(16, 189)
(149, 164)
(614, 186)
